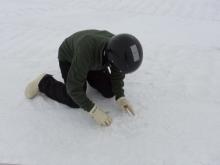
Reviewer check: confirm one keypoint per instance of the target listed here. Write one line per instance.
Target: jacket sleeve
(77, 76)
(117, 79)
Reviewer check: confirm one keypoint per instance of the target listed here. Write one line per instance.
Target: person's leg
(56, 90)
(101, 81)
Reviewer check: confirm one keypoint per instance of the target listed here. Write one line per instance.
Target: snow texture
(176, 92)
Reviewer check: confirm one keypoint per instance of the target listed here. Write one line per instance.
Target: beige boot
(32, 89)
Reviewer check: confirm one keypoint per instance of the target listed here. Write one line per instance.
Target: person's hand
(100, 116)
(125, 105)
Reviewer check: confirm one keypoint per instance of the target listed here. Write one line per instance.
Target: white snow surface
(175, 93)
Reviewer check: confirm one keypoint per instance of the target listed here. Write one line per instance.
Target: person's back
(97, 40)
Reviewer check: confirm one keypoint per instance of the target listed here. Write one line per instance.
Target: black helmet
(124, 51)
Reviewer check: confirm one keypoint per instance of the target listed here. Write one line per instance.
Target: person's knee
(108, 94)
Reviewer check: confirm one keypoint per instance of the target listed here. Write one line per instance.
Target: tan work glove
(125, 105)
(100, 116)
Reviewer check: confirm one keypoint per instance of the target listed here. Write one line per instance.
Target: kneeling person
(98, 57)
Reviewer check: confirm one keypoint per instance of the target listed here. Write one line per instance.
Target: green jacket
(83, 50)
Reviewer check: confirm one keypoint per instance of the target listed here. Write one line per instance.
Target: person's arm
(77, 78)
(118, 90)
(117, 79)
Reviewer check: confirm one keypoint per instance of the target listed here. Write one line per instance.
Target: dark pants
(56, 90)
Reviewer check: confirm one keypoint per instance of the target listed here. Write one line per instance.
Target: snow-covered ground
(176, 92)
